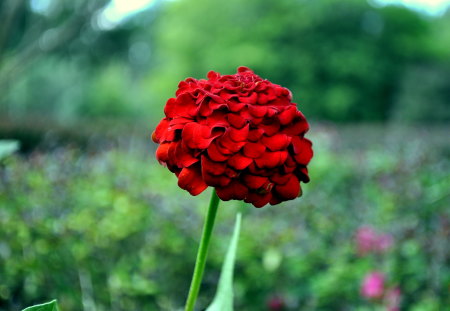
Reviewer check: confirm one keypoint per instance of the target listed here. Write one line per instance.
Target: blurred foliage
(48, 306)
(8, 147)
(344, 60)
(110, 229)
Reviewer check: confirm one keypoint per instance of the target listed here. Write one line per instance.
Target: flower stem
(202, 252)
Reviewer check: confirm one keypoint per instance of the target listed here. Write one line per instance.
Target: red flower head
(238, 133)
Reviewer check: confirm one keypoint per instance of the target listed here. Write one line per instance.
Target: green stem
(202, 252)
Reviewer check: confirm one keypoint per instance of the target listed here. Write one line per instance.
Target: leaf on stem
(223, 301)
(48, 306)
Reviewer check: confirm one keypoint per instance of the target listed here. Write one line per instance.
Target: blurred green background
(87, 216)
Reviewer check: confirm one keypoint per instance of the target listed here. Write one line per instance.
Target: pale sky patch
(431, 7)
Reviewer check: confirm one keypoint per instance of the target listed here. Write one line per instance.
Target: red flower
(238, 133)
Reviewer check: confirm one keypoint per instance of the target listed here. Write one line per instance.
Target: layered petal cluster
(238, 133)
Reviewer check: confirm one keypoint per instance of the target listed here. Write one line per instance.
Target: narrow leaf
(223, 301)
(7, 147)
(48, 306)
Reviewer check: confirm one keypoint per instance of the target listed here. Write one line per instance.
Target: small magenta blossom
(369, 241)
(373, 285)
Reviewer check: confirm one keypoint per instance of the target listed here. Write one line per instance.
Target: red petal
(262, 99)
(289, 169)
(236, 120)
(197, 136)
(290, 190)
(205, 109)
(276, 142)
(252, 168)
(231, 173)
(271, 94)
(258, 200)
(290, 161)
(215, 154)
(244, 69)
(274, 200)
(190, 179)
(280, 179)
(214, 97)
(233, 191)
(159, 135)
(211, 167)
(263, 85)
(183, 156)
(162, 153)
(254, 182)
(271, 128)
(235, 106)
(239, 134)
(288, 115)
(218, 119)
(226, 95)
(254, 150)
(255, 135)
(170, 107)
(231, 85)
(303, 175)
(282, 91)
(214, 105)
(239, 162)
(179, 122)
(216, 180)
(184, 105)
(187, 85)
(271, 159)
(212, 75)
(271, 112)
(257, 111)
(302, 149)
(227, 146)
(297, 128)
(249, 100)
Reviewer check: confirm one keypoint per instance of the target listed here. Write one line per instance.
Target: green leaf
(48, 306)
(223, 301)
(7, 147)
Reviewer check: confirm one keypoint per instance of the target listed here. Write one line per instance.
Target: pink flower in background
(392, 299)
(368, 241)
(373, 285)
(365, 238)
(383, 243)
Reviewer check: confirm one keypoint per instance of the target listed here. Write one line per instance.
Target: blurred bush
(111, 230)
(343, 60)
